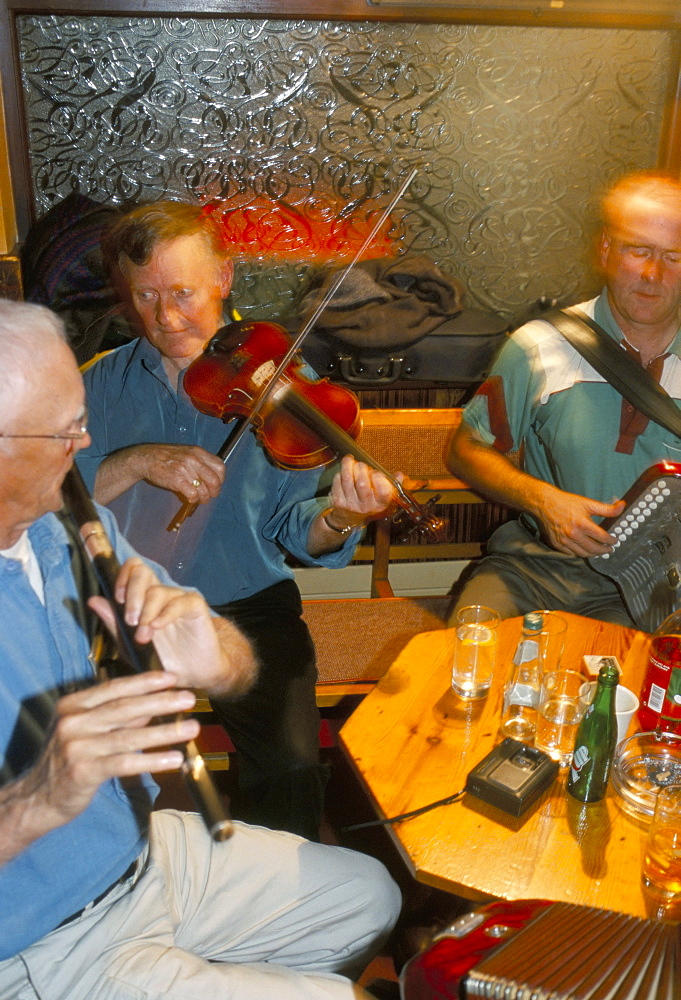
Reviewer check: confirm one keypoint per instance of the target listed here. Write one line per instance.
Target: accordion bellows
(571, 952)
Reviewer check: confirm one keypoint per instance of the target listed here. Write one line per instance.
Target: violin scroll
(422, 521)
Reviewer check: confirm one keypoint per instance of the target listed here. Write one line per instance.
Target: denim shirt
(235, 545)
(44, 654)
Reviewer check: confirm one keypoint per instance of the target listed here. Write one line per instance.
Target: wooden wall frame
(638, 14)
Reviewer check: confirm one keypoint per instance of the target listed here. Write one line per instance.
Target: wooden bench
(415, 442)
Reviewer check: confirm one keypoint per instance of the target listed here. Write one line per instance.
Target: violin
(303, 423)
(239, 362)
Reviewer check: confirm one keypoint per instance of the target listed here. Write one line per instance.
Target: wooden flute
(135, 656)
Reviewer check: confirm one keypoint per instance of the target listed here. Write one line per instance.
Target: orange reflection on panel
(317, 232)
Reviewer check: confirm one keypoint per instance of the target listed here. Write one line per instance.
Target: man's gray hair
(26, 331)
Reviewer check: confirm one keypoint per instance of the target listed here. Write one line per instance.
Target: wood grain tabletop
(413, 741)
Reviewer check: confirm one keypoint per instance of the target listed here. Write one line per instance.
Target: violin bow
(227, 450)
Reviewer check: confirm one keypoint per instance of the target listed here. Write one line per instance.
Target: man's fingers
(211, 473)
(361, 489)
(132, 686)
(383, 489)
(103, 609)
(164, 608)
(120, 728)
(147, 603)
(605, 510)
(107, 740)
(188, 470)
(132, 582)
(203, 480)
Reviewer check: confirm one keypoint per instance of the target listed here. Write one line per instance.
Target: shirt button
(179, 565)
(183, 430)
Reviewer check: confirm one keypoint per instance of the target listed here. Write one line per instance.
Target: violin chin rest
(227, 338)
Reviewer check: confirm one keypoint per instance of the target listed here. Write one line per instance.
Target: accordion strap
(616, 366)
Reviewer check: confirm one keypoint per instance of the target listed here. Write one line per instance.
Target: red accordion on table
(538, 950)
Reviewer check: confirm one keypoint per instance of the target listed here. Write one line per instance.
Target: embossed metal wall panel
(513, 131)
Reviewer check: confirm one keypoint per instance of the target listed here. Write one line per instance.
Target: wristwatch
(346, 530)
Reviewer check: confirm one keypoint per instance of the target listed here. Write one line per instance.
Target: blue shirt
(235, 545)
(43, 655)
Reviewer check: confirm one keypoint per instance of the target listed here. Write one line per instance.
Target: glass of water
(475, 651)
(559, 713)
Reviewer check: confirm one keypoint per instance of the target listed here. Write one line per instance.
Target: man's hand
(99, 733)
(202, 651)
(567, 520)
(191, 472)
(359, 494)
(104, 731)
(361, 490)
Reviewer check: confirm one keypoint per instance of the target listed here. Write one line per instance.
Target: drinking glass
(662, 859)
(559, 713)
(475, 648)
(552, 641)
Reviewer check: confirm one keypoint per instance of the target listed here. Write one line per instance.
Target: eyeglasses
(76, 432)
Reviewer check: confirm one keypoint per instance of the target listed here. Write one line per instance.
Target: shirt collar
(604, 317)
(151, 358)
(20, 549)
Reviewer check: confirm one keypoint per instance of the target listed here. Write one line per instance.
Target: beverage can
(661, 692)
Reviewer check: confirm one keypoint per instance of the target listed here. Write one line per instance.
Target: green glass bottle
(595, 741)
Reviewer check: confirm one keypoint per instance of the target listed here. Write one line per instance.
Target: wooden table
(413, 741)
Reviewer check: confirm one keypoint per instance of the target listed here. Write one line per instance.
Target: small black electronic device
(512, 776)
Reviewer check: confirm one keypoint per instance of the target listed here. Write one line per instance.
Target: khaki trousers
(262, 915)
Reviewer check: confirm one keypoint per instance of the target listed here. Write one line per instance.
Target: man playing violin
(103, 899)
(151, 447)
(583, 443)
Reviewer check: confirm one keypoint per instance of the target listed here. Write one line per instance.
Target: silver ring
(196, 483)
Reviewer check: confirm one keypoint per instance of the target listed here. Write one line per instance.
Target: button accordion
(538, 950)
(645, 561)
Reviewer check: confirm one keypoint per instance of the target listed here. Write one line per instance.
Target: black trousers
(275, 726)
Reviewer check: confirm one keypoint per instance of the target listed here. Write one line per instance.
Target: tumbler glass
(475, 648)
(552, 641)
(662, 859)
(559, 713)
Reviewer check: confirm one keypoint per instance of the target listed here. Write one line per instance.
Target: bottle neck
(605, 693)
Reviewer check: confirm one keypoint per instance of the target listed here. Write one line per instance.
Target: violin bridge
(263, 374)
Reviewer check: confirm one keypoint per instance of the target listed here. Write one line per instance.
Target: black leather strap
(616, 366)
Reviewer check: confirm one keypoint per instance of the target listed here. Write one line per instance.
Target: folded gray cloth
(387, 302)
